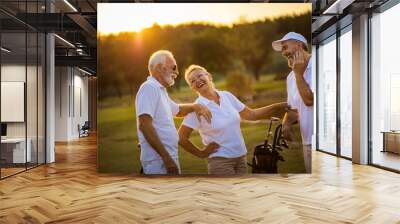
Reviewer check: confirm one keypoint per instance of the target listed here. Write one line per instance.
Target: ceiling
(76, 22)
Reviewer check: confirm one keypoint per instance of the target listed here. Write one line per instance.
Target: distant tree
(244, 48)
(296, 23)
(240, 85)
(252, 45)
(210, 51)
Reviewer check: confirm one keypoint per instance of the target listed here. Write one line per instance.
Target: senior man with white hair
(300, 90)
(157, 134)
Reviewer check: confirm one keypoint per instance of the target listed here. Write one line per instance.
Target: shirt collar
(205, 101)
(155, 82)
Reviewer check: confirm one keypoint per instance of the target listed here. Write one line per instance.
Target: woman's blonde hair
(191, 69)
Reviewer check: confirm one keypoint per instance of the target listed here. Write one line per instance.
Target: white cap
(277, 45)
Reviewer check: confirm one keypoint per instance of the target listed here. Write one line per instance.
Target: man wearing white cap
(300, 90)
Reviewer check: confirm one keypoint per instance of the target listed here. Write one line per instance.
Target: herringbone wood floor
(71, 191)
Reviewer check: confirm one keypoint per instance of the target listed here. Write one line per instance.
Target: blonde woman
(224, 131)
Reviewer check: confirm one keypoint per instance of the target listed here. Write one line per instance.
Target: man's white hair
(158, 57)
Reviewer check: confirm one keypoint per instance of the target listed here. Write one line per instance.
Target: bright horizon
(133, 17)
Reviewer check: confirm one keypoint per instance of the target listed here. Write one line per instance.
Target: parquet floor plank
(71, 191)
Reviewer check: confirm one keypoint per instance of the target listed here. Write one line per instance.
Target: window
(327, 95)
(346, 92)
(22, 78)
(385, 89)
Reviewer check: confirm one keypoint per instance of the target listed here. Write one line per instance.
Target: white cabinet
(17, 145)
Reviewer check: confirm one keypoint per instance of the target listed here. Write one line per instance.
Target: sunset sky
(122, 17)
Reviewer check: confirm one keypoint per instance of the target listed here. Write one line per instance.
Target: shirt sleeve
(191, 121)
(147, 100)
(289, 95)
(236, 103)
(174, 107)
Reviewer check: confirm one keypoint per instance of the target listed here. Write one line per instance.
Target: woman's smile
(200, 83)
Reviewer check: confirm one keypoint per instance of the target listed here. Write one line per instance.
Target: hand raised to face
(300, 61)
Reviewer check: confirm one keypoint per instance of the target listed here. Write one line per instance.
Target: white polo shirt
(225, 125)
(152, 99)
(306, 113)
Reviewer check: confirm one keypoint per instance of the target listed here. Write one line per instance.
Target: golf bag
(266, 156)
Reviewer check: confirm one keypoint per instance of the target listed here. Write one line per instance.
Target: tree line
(244, 47)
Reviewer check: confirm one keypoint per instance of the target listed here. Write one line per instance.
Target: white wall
(15, 73)
(71, 94)
(33, 126)
(62, 82)
(11, 73)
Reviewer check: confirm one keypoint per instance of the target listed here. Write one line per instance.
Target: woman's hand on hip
(209, 149)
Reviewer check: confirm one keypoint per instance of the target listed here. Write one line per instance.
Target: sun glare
(128, 17)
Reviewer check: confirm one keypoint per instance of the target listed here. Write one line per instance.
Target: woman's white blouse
(225, 125)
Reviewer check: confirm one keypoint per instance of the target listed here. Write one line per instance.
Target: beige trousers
(227, 166)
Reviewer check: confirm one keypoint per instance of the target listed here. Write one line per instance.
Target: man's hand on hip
(171, 167)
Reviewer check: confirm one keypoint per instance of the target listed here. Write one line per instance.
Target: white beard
(169, 80)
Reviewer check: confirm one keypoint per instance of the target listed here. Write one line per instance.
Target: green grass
(118, 152)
